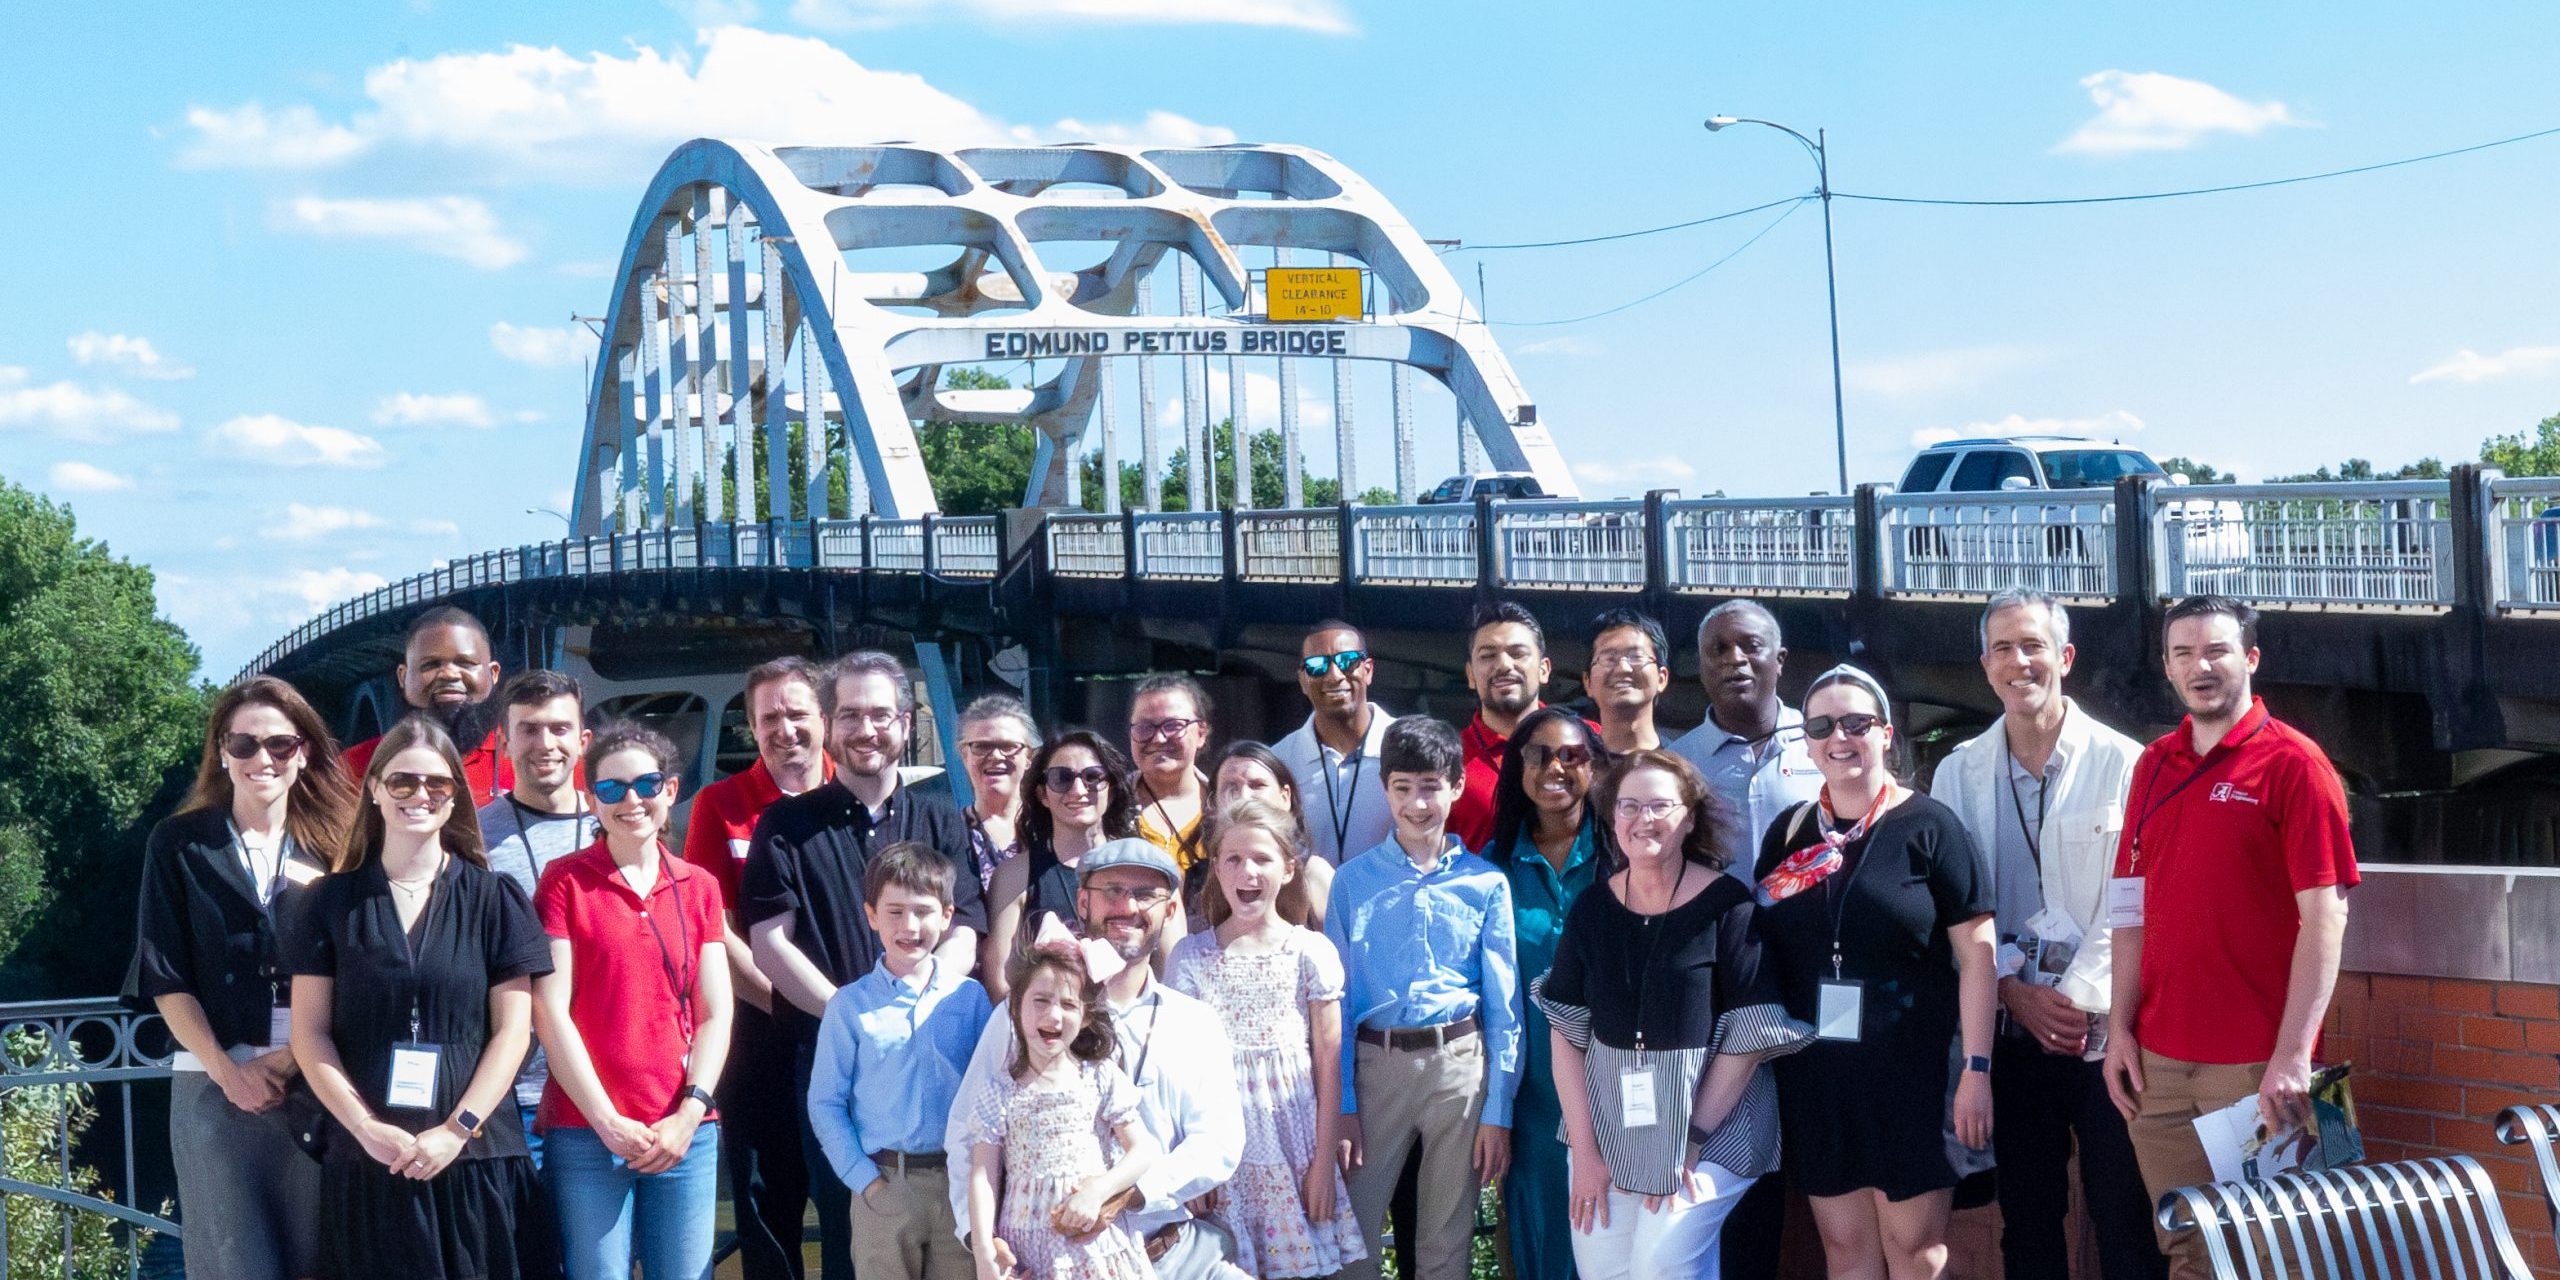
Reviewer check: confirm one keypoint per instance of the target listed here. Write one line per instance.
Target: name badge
(279, 1026)
(1635, 1098)
(1838, 1013)
(738, 849)
(413, 1076)
(2124, 902)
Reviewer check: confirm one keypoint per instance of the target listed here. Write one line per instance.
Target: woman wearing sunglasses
(1879, 927)
(996, 740)
(268, 812)
(1081, 799)
(413, 967)
(1545, 838)
(635, 1017)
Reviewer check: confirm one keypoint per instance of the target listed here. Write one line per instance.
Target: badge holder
(1637, 1108)
(1840, 1010)
(413, 1071)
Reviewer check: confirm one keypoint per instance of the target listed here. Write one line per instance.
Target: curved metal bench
(2434, 1219)
(2537, 1125)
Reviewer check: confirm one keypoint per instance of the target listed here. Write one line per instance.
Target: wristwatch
(1978, 1063)
(468, 1123)
(701, 1095)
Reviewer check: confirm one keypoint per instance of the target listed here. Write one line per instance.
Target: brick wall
(2435, 1059)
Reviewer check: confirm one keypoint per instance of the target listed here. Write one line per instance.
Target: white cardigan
(2084, 816)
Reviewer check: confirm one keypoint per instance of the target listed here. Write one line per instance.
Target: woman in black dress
(1878, 923)
(1080, 797)
(412, 1007)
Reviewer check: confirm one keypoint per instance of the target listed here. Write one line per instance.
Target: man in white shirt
(1333, 757)
(1174, 1049)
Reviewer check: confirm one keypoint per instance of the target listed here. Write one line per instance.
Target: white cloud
(435, 528)
(75, 412)
(2467, 365)
(540, 347)
(1562, 346)
(2104, 426)
(1638, 473)
(2150, 111)
(1934, 372)
(304, 523)
(268, 438)
(460, 227)
(1324, 17)
(249, 137)
(317, 589)
(80, 477)
(548, 115)
(128, 355)
(410, 409)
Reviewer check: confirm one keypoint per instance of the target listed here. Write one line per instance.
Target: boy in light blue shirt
(1432, 993)
(890, 1052)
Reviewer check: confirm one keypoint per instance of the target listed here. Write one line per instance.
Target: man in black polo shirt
(801, 888)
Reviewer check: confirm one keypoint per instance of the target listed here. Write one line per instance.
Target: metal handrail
(2354, 544)
(1781, 546)
(1972, 545)
(1418, 545)
(84, 1045)
(1569, 544)
(1086, 546)
(967, 546)
(1289, 545)
(1182, 545)
(2524, 543)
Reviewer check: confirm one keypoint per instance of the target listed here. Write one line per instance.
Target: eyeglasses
(1648, 810)
(1855, 724)
(1062, 780)
(1621, 660)
(246, 746)
(406, 786)
(1342, 662)
(1572, 755)
(1140, 898)
(994, 749)
(646, 786)
(1150, 730)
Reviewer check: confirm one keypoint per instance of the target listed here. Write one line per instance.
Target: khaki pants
(1433, 1097)
(903, 1227)
(2174, 1093)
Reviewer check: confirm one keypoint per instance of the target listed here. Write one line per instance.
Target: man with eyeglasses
(1172, 1047)
(1630, 667)
(1168, 729)
(447, 672)
(801, 890)
(1334, 755)
(759, 1125)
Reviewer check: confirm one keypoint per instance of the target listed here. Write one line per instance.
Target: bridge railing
(967, 546)
(2524, 543)
(67, 1065)
(1182, 545)
(1972, 545)
(1289, 546)
(1420, 546)
(1569, 544)
(1785, 546)
(1084, 546)
(2367, 545)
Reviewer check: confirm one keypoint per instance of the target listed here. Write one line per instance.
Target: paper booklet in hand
(2242, 1150)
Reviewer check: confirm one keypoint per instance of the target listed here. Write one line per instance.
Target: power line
(1691, 278)
(1630, 235)
(2202, 191)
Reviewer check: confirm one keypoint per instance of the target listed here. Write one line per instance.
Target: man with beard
(1174, 1050)
(1750, 748)
(1168, 729)
(801, 890)
(2229, 906)
(1506, 667)
(759, 1126)
(1334, 755)
(1630, 667)
(446, 671)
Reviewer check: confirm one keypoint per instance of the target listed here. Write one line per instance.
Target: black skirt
(482, 1219)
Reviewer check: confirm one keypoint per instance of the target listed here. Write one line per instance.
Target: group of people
(460, 995)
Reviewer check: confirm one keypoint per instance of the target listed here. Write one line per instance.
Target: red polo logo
(2225, 792)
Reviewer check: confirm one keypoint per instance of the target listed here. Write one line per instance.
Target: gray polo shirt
(522, 840)
(2017, 835)
(1756, 780)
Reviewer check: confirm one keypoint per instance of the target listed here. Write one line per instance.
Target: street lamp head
(1720, 122)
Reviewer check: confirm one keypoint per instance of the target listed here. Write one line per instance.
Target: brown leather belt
(1411, 1039)
(1162, 1242)
(901, 1161)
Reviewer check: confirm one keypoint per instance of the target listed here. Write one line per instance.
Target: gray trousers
(248, 1198)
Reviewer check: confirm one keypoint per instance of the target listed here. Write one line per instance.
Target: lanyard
(2219, 756)
(1840, 905)
(1339, 809)
(683, 987)
(276, 881)
(2034, 834)
(409, 940)
(1147, 1044)
(1173, 830)
(1656, 926)
(525, 826)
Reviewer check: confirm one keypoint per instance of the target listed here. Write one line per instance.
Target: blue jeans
(532, 1136)
(608, 1214)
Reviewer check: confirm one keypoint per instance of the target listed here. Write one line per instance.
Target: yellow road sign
(1312, 293)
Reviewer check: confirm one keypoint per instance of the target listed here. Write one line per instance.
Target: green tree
(1270, 479)
(2518, 456)
(2198, 472)
(98, 719)
(2361, 469)
(41, 1128)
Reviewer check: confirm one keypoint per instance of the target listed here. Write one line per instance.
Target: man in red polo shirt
(447, 672)
(1506, 666)
(2230, 903)
(760, 1130)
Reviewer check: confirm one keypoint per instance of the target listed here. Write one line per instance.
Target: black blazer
(200, 931)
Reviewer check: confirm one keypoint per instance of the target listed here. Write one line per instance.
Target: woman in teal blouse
(1544, 839)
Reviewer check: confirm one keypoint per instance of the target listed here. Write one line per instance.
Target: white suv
(2211, 532)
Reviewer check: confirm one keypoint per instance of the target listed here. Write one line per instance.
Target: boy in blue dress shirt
(1433, 989)
(890, 1052)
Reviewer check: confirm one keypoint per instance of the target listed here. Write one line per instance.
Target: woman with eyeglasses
(1546, 839)
(1663, 1015)
(1879, 927)
(1253, 771)
(996, 738)
(413, 967)
(268, 813)
(1083, 800)
(635, 1018)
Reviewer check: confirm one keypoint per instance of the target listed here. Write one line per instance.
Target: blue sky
(293, 280)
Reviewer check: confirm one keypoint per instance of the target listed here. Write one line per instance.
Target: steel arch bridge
(763, 289)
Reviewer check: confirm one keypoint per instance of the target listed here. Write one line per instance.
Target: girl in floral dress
(1040, 1127)
(1278, 986)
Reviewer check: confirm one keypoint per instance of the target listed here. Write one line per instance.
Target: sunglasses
(1061, 779)
(1572, 755)
(1855, 724)
(646, 786)
(1342, 662)
(406, 786)
(245, 746)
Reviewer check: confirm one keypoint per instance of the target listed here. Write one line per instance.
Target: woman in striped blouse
(1663, 1017)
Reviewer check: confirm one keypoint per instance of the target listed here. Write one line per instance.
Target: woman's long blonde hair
(1285, 830)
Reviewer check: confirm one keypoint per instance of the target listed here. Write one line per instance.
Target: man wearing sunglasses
(801, 891)
(1334, 755)
(446, 671)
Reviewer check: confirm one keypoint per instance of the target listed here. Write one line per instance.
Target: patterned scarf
(1815, 863)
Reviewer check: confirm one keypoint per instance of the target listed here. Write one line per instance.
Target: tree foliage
(2523, 454)
(2359, 469)
(41, 1127)
(2197, 472)
(97, 717)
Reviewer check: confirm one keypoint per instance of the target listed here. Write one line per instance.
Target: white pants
(1674, 1242)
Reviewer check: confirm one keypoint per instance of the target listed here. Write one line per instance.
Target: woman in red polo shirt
(635, 1017)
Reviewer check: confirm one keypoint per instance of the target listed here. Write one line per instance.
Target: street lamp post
(1814, 146)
